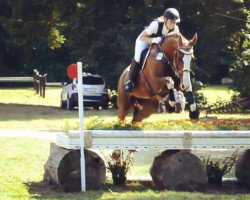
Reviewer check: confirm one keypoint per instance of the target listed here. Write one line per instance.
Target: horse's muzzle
(186, 87)
(186, 82)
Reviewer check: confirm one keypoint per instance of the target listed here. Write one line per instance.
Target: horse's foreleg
(194, 111)
(170, 86)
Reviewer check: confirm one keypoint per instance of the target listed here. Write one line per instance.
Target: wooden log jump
(176, 158)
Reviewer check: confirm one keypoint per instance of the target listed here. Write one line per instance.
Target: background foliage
(49, 35)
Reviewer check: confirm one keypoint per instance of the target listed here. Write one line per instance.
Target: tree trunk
(63, 169)
(242, 168)
(178, 170)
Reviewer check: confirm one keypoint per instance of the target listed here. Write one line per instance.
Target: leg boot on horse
(194, 111)
(133, 75)
(171, 102)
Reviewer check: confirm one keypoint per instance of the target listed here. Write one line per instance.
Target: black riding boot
(133, 74)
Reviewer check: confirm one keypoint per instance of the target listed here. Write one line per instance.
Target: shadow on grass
(41, 190)
(25, 112)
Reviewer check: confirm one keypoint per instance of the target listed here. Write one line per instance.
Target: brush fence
(135, 140)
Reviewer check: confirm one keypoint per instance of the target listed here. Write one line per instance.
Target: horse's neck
(169, 47)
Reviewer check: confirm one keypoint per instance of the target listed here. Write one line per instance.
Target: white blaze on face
(186, 72)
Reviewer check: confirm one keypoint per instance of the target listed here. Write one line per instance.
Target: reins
(173, 66)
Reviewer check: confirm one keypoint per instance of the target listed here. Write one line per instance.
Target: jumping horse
(167, 66)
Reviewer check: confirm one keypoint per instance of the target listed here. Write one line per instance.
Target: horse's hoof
(195, 114)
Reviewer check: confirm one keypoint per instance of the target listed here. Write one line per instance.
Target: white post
(80, 107)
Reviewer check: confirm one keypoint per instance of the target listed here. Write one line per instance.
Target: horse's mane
(172, 34)
(175, 35)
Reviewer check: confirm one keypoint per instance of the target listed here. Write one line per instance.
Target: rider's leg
(133, 74)
(135, 65)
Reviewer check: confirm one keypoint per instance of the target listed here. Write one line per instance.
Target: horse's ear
(193, 41)
(180, 41)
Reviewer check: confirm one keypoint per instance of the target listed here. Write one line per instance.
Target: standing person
(152, 34)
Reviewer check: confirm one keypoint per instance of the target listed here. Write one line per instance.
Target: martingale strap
(146, 57)
(173, 67)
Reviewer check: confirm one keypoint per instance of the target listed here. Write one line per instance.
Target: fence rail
(38, 80)
(127, 139)
(17, 79)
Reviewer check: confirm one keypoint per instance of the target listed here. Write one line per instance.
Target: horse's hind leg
(122, 112)
(124, 105)
(149, 107)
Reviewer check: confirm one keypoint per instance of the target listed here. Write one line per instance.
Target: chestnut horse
(167, 63)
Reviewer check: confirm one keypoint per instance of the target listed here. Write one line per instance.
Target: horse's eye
(179, 56)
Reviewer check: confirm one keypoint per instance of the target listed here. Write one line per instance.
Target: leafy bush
(217, 169)
(119, 164)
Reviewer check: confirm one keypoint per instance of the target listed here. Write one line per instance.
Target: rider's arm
(150, 30)
(145, 37)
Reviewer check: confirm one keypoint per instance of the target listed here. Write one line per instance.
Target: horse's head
(180, 53)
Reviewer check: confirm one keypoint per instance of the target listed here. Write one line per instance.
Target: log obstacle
(63, 169)
(242, 172)
(176, 168)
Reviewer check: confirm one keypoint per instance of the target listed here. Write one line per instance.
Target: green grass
(21, 108)
(21, 163)
(27, 96)
(22, 160)
(215, 93)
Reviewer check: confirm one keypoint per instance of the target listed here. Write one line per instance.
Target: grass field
(23, 109)
(22, 159)
(215, 93)
(21, 175)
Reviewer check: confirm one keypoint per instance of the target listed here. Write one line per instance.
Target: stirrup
(129, 86)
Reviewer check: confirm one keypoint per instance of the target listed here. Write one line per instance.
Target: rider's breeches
(139, 47)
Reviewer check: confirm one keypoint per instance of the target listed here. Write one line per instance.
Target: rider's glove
(156, 40)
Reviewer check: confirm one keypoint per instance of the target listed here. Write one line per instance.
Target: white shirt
(153, 28)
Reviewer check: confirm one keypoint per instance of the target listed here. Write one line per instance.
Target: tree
(50, 35)
(240, 69)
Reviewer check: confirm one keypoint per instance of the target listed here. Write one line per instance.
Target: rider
(151, 34)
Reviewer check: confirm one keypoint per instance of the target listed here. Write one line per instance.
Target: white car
(94, 92)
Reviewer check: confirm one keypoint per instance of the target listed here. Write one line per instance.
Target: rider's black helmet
(173, 14)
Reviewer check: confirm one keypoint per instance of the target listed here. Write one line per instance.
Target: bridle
(178, 73)
(160, 55)
(185, 51)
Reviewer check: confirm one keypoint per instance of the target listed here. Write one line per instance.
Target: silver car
(94, 92)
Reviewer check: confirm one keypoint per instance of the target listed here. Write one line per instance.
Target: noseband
(185, 51)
